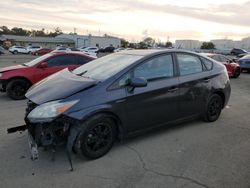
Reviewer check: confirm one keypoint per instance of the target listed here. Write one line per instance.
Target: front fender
(85, 113)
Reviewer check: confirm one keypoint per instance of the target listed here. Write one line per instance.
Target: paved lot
(194, 154)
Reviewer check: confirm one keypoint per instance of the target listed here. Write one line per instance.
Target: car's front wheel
(237, 73)
(213, 108)
(15, 52)
(17, 88)
(97, 136)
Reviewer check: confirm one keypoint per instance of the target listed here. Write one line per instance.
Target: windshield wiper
(80, 74)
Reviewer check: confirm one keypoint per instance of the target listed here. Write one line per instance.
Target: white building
(92, 41)
(226, 43)
(245, 43)
(187, 44)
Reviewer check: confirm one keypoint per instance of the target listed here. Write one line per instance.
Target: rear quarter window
(207, 63)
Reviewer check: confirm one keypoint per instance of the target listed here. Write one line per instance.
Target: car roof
(209, 54)
(73, 53)
(148, 52)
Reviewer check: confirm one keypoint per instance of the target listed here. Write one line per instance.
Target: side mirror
(43, 65)
(138, 82)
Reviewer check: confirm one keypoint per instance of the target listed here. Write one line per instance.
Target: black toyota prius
(123, 93)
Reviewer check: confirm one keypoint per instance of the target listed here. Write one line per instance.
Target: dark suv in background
(238, 51)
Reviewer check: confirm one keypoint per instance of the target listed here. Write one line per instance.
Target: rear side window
(207, 63)
(62, 60)
(82, 60)
(216, 57)
(156, 68)
(188, 64)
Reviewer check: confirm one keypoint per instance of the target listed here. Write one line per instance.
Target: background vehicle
(42, 51)
(16, 80)
(106, 49)
(233, 68)
(119, 49)
(90, 49)
(238, 51)
(244, 63)
(2, 51)
(62, 49)
(31, 49)
(18, 49)
(100, 103)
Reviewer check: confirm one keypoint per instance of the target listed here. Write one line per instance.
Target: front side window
(188, 64)
(156, 68)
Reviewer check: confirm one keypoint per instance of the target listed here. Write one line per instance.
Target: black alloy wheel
(17, 88)
(97, 138)
(214, 108)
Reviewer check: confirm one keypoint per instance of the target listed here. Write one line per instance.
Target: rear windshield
(107, 66)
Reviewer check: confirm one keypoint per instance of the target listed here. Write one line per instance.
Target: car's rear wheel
(17, 88)
(213, 108)
(237, 73)
(97, 137)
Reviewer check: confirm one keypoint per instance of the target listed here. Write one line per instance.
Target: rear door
(157, 103)
(194, 83)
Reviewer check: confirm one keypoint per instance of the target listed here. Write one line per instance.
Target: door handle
(206, 80)
(120, 101)
(173, 89)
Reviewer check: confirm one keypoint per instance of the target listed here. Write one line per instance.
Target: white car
(31, 49)
(18, 49)
(119, 49)
(89, 49)
(62, 49)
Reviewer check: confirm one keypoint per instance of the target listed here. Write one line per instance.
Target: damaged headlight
(48, 111)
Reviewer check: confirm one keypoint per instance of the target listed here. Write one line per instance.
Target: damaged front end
(49, 134)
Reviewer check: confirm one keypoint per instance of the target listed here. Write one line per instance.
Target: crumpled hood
(12, 68)
(58, 86)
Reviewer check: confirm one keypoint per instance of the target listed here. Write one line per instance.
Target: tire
(97, 137)
(15, 52)
(213, 108)
(36, 54)
(17, 88)
(237, 73)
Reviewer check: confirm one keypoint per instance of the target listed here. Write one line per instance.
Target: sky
(133, 19)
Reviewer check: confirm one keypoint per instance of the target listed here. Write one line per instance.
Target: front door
(157, 103)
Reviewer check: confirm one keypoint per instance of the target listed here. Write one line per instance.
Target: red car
(233, 69)
(42, 51)
(16, 80)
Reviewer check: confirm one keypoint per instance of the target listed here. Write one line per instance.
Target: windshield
(107, 66)
(38, 60)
